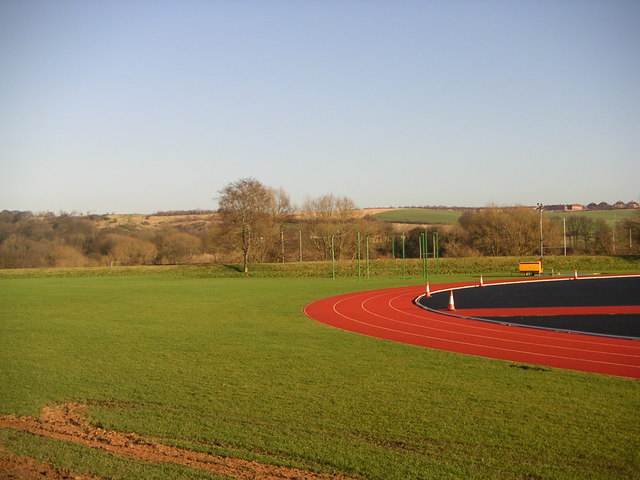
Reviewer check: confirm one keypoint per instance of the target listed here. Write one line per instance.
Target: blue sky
(140, 106)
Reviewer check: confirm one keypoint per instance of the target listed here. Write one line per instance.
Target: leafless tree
(331, 216)
(250, 216)
(502, 231)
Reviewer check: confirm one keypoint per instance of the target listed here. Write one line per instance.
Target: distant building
(564, 208)
(576, 207)
(554, 208)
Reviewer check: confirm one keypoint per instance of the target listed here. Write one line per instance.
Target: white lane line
(475, 344)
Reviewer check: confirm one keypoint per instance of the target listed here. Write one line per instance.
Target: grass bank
(409, 269)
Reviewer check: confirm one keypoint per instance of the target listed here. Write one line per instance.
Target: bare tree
(128, 250)
(331, 216)
(278, 211)
(501, 231)
(249, 213)
(176, 247)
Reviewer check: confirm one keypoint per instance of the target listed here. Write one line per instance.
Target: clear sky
(139, 106)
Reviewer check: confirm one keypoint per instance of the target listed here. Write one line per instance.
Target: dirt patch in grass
(16, 467)
(66, 422)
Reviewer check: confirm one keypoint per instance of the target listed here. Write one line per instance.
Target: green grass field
(611, 217)
(385, 268)
(232, 366)
(431, 216)
(419, 216)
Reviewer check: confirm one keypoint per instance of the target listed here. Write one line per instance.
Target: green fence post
(393, 254)
(436, 251)
(404, 263)
(333, 258)
(359, 268)
(421, 250)
(426, 256)
(367, 257)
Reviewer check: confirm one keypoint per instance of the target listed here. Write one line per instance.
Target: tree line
(27, 240)
(522, 230)
(256, 223)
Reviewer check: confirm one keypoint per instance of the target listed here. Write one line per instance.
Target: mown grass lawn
(232, 366)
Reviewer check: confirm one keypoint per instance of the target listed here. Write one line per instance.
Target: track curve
(391, 314)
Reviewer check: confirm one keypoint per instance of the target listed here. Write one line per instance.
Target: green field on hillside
(232, 366)
(609, 216)
(419, 216)
(432, 216)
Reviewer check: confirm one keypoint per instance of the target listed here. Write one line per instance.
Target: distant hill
(190, 222)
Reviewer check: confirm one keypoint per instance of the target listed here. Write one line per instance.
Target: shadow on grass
(235, 268)
(535, 368)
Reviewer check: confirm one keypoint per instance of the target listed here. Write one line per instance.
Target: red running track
(391, 314)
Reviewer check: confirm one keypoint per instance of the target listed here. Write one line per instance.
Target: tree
(484, 230)
(176, 247)
(331, 216)
(603, 237)
(588, 236)
(508, 231)
(19, 251)
(248, 210)
(630, 230)
(276, 214)
(67, 256)
(127, 250)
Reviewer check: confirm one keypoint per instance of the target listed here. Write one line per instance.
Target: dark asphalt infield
(583, 292)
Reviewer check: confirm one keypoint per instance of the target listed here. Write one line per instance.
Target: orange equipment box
(530, 268)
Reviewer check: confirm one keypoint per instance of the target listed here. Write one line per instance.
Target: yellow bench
(530, 268)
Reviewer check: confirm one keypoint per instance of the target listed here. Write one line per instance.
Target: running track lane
(390, 314)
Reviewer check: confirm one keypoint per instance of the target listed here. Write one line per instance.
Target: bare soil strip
(16, 467)
(66, 422)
